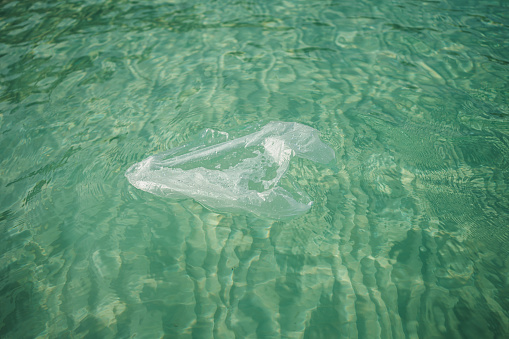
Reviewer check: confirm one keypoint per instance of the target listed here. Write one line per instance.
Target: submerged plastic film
(233, 175)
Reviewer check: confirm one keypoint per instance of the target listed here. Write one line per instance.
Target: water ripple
(407, 237)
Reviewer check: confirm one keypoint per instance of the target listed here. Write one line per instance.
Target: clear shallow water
(408, 239)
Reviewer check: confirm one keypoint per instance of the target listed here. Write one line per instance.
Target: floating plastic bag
(242, 174)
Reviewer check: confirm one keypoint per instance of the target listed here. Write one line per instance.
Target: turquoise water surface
(408, 234)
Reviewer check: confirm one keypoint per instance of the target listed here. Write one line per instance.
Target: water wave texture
(407, 240)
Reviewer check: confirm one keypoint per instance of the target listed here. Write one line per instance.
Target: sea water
(406, 238)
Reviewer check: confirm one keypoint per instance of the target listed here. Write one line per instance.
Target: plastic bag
(242, 174)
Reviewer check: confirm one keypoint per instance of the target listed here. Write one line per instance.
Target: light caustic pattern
(406, 238)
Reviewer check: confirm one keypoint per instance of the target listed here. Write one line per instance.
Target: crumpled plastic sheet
(234, 175)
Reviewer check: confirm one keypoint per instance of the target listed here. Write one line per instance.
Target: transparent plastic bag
(234, 175)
